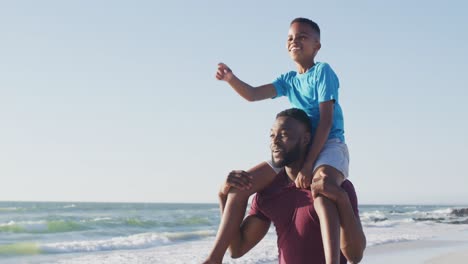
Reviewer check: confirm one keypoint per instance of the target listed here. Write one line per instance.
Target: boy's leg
(329, 218)
(234, 211)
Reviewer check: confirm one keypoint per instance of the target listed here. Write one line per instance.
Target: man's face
(303, 42)
(288, 141)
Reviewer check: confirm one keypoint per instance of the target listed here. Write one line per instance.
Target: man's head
(289, 137)
(303, 39)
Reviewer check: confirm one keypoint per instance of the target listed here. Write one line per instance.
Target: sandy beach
(435, 251)
(453, 257)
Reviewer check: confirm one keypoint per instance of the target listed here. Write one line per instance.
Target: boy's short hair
(309, 22)
(297, 114)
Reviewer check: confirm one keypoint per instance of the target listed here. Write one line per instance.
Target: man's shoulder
(348, 187)
(279, 182)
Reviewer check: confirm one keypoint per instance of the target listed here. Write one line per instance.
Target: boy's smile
(294, 49)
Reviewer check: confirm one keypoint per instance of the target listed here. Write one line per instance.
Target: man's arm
(353, 240)
(252, 229)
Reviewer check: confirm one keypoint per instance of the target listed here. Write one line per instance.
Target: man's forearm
(353, 240)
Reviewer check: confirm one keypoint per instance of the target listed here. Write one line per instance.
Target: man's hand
(239, 179)
(324, 185)
(304, 178)
(224, 73)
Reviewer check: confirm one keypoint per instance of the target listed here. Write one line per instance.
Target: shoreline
(181, 234)
(451, 249)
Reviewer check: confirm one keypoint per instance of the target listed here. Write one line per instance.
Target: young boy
(314, 89)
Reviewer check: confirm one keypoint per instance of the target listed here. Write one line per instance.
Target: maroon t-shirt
(297, 225)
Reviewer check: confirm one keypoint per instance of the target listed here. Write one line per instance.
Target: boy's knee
(331, 173)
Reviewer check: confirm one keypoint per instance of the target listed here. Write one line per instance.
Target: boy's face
(303, 42)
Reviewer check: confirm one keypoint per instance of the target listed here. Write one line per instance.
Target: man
(292, 209)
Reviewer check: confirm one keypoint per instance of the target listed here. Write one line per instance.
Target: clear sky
(117, 100)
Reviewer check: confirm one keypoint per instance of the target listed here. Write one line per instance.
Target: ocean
(53, 232)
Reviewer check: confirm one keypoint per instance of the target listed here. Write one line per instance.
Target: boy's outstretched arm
(248, 92)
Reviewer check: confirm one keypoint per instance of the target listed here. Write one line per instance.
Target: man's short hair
(308, 22)
(297, 114)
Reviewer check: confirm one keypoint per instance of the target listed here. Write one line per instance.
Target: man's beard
(289, 157)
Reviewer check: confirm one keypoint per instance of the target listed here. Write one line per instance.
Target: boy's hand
(224, 73)
(239, 179)
(304, 178)
(324, 185)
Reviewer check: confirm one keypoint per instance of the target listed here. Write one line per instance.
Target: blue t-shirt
(306, 91)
